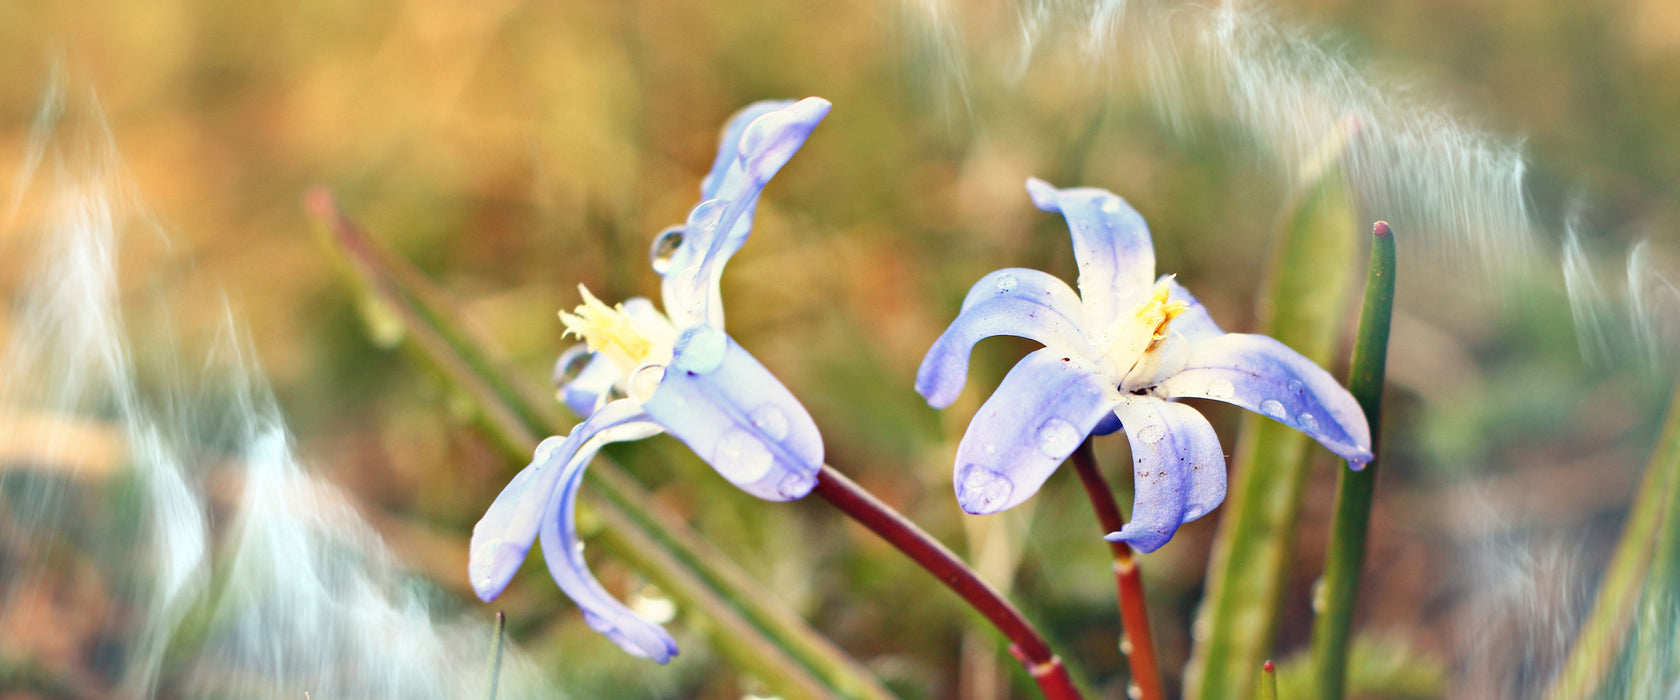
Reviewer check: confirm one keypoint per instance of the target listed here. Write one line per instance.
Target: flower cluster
(1118, 354)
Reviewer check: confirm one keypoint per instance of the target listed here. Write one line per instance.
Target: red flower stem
(1027, 644)
(1135, 641)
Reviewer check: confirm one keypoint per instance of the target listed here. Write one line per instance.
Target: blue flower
(643, 373)
(1119, 354)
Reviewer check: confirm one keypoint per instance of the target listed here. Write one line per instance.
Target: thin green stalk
(1605, 632)
(749, 625)
(493, 675)
(1354, 489)
(1268, 681)
(1302, 304)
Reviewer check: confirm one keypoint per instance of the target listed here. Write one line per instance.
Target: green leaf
(1301, 305)
(749, 625)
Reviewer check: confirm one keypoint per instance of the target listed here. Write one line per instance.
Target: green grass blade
(1302, 305)
(1605, 631)
(1655, 663)
(493, 675)
(1268, 682)
(748, 624)
(1352, 517)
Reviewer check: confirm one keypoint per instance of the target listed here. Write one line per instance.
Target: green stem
(1301, 306)
(749, 625)
(492, 676)
(1354, 489)
(1135, 639)
(1268, 681)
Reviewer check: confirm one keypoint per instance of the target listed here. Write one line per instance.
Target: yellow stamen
(1157, 312)
(625, 340)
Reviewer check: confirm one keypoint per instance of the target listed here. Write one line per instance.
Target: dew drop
(1126, 645)
(1111, 205)
(1192, 513)
(772, 421)
(1151, 433)
(571, 364)
(646, 381)
(665, 247)
(741, 457)
(1134, 691)
(1220, 389)
(1273, 408)
(1057, 438)
(1007, 283)
(796, 485)
(1309, 423)
(1320, 596)
(981, 490)
(484, 582)
(699, 349)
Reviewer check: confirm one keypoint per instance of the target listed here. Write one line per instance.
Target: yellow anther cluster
(610, 331)
(1157, 312)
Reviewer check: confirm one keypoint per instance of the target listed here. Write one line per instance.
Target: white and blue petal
(1012, 301)
(1111, 243)
(718, 226)
(1194, 324)
(729, 409)
(1178, 469)
(729, 146)
(1046, 406)
(1265, 376)
(563, 552)
(503, 537)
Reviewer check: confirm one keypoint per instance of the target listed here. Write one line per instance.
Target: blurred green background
(514, 149)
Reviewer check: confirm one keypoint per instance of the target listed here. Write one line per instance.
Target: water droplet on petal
(1297, 387)
(707, 214)
(699, 349)
(1309, 423)
(664, 249)
(772, 421)
(1151, 433)
(796, 485)
(1220, 389)
(1111, 205)
(1007, 283)
(484, 582)
(1192, 513)
(1273, 408)
(571, 364)
(981, 490)
(1057, 438)
(646, 381)
(741, 457)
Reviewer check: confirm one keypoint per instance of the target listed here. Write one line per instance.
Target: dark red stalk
(1026, 643)
(1135, 639)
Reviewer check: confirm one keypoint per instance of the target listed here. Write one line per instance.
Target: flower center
(1157, 312)
(629, 340)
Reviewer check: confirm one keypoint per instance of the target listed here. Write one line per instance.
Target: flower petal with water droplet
(1110, 242)
(502, 538)
(1178, 469)
(1035, 305)
(1265, 376)
(743, 422)
(1045, 406)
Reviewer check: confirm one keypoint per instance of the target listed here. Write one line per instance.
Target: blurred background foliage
(513, 149)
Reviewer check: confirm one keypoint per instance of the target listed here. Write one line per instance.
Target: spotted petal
(1178, 469)
(1110, 242)
(1046, 405)
(1265, 376)
(734, 414)
(563, 552)
(718, 226)
(1013, 301)
(503, 537)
